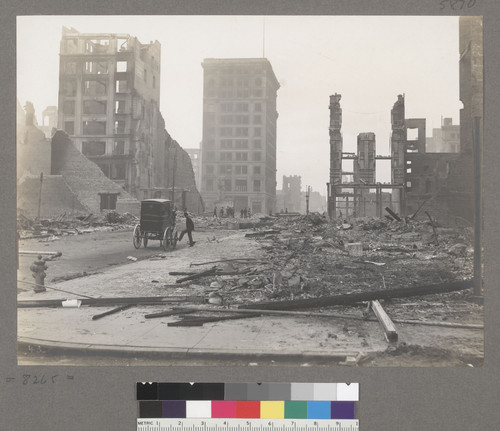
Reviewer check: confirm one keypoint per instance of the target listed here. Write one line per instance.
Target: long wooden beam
(352, 298)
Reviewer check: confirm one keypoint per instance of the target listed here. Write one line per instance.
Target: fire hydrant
(38, 269)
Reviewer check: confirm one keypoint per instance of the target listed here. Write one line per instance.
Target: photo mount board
(82, 397)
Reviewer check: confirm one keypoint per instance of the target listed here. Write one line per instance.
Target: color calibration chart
(247, 406)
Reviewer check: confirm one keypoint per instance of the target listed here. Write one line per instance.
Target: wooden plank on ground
(96, 302)
(391, 334)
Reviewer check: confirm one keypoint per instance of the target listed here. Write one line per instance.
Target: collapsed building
(54, 178)
(443, 182)
(109, 95)
(112, 145)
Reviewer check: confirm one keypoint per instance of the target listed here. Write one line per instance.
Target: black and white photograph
(250, 190)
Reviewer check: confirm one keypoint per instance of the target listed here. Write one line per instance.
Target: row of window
(97, 67)
(229, 169)
(93, 127)
(239, 107)
(229, 93)
(238, 156)
(235, 119)
(227, 185)
(97, 87)
(228, 81)
(239, 131)
(239, 143)
(98, 148)
(94, 107)
(94, 46)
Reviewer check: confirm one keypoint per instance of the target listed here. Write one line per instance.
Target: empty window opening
(69, 127)
(108, 201)
(70, 87)
(122, 44)
(121, 66)
(97, 67)
(69, 107)
(119, 127)
(412, 134)
(94, 127)
(120, 107)
(94, 107)
(94, 87)
(119, 148)
(121, 86)
(93, 148)
(70, 67)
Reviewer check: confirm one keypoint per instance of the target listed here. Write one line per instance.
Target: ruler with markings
(165, 424)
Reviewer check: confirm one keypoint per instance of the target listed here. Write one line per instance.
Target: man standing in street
(188, 230)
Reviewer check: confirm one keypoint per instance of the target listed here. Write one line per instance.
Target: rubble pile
(310, 257)
(70, 224)
(205, 222)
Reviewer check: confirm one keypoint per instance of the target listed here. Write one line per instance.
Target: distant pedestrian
(244, 213)
(215, 212)
(221, 212)
(188, 230)
(249, 213)
(241, 213)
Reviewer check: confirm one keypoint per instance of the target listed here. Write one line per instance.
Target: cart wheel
(175, 239)
(166, 238)
(136, 236)
(145, 242)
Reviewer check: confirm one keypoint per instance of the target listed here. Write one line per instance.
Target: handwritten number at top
(457, 4)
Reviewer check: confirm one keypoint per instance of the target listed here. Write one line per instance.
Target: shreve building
(238, 150)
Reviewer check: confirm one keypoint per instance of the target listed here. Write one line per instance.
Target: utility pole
(173, 174)
(40, 198)
(308, 193)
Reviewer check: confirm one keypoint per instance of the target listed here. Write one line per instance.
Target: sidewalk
(129, 333)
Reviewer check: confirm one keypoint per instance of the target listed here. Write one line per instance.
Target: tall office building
(238, 150)
(109, 92)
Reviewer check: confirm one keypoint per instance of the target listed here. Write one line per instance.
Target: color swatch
(248, 391)
(247, 400)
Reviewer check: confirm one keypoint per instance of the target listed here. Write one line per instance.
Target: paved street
(69, 335)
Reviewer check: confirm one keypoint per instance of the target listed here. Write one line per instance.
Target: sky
(369, 60)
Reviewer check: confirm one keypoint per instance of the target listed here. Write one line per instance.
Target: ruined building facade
(238, 150)
(109, 95)
(353, 193)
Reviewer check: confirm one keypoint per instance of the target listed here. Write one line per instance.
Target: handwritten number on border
(457, 4)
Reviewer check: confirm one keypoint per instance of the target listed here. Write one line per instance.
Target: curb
(77, 349)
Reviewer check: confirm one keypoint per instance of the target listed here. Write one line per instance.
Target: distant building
(238, 150)
(445, 139)
(195, 156)
(291, 193)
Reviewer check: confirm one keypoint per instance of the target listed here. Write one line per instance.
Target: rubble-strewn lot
(306, 257)
(299, 258)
